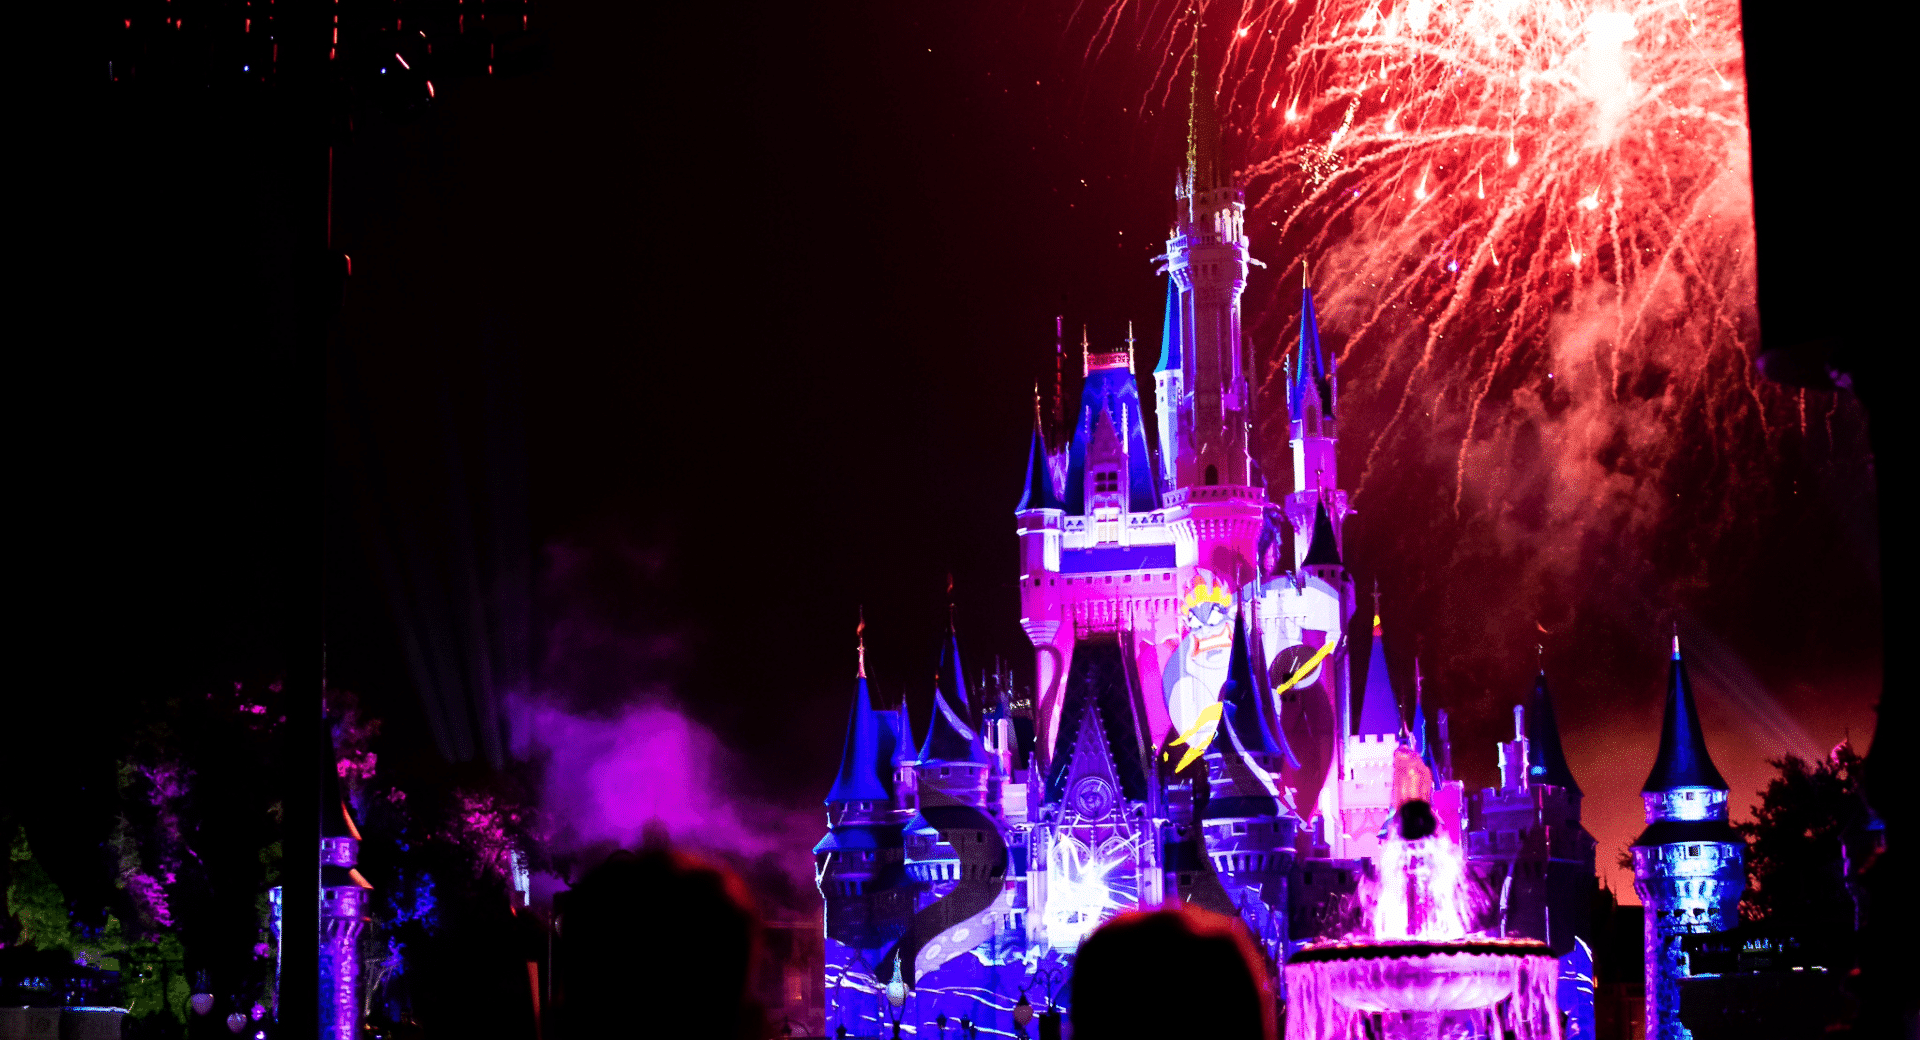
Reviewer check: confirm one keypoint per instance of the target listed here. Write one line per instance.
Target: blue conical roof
(1379, 709)
(1243, 694)
(1039, 492)
(1683, 760)
(1422, 736)
(949, 678)
(1309, 374)
(859, 777)
(1170, 331)
(950, 737)
(1324, 550)
(1546, 762)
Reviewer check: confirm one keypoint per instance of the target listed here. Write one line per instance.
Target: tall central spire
(1206, 169)
(1193, 118)
(1207, 259)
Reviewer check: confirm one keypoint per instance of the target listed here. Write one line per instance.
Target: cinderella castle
(1199, 728)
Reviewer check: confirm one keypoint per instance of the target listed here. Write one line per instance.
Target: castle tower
(1366, 785)
(1313, 391)
(953, 761)
(857, 865)
(1097, 551)
(1168, 386)
(1688, 865)
(1525, 839)
(1040, 513)
(1216, 512)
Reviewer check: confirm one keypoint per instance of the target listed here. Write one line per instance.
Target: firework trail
(1518, 212)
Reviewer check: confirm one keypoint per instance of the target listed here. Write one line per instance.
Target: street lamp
(897, 989)
(896, 996)
(1049, 1022)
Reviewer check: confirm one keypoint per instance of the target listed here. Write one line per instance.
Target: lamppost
(1022, 1014)
(896, 996)
(1049, 1022)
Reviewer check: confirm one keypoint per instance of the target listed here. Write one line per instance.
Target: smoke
(615, 750)
(606, 779)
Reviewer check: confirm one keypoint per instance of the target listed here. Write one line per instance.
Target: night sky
(726, 323)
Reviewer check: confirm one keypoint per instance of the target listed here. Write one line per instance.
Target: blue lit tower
(1215, 509)
(1313, 394)
(1687, 865)
(1246, 828)
(956, 847)
(858, 863)
(343, 912)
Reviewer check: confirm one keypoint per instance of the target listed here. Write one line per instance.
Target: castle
(1192, 732)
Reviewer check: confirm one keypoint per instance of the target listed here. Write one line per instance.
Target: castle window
(1213, 476)
(1106, 482)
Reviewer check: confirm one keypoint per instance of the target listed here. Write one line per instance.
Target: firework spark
(1505, 201)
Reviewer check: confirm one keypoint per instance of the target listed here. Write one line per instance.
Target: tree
(1796, 870)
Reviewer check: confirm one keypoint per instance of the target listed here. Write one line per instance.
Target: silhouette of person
(1213, 980)
(657, 937)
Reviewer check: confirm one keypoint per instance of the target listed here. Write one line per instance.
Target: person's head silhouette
(658, 932)
(1211, 980)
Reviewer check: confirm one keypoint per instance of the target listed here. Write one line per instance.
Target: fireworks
(1538, 204)
(1088, 888)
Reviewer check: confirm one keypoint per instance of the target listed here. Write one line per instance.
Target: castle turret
(1546, 762)
(1216, 510)
(1688, 865)
(953, 761)
(857, 865)
(1168, 384)
(1313, 435)
(1366, 784)
(1525, 840)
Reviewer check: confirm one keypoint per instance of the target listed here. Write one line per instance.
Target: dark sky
(758, 294)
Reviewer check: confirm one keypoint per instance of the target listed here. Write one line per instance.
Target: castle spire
(859, 777)
(1683, 760)
(1310, 373)
(1243, 695)
(1039, 493)
(1379, 709)
(1324, 550)
(1548, 763)
(951, 736)
(1422, 739)
(1170, 335)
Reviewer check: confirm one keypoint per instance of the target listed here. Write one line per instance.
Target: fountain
(1417, 972)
